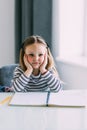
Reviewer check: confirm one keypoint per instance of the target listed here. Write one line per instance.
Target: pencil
(5, 100)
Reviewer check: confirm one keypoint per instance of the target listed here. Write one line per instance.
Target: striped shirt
(45, 82)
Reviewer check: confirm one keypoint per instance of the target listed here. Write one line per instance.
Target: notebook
(61, 98)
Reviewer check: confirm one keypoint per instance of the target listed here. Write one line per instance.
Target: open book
(61, 98)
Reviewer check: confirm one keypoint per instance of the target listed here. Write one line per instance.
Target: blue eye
(31, 55)
(40, 54)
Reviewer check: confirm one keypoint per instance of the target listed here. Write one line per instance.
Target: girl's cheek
(29, 59)
(42, 59)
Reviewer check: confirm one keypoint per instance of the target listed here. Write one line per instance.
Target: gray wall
(6, 32)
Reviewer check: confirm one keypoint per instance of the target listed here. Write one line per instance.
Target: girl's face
(35, 54)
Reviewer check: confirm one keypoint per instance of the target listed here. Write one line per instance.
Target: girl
(36, 71)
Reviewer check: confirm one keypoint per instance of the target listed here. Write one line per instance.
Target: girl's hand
(28, 66)
(43, 65)
(9, 89)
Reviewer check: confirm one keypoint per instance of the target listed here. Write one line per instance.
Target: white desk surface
(41, 118)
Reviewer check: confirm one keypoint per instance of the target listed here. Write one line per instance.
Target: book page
(67, 98)
(29, 98)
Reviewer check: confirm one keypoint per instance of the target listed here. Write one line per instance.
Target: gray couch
(6, 74)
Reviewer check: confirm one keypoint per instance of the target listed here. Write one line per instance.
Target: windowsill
(77, 61)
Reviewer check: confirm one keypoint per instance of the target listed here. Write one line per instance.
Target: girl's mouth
(36, 63)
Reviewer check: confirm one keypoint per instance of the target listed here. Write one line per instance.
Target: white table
(41, 118)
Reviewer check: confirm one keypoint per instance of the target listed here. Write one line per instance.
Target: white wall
(7, 51)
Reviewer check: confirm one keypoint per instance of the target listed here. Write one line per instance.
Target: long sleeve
(45, 82)
(52, 82)
(19, 80)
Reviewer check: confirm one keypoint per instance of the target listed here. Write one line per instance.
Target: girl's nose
(36, 58)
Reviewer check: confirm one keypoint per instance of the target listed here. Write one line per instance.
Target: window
(69, 28)
(85, 29)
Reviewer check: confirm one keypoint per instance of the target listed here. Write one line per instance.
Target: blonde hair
(37, 39)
